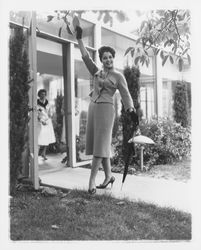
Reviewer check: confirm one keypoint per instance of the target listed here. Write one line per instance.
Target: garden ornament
(141, 140)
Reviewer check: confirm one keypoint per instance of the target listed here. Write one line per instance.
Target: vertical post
(69, 93)
(97, 42)
(33, 101)
(141, 158)
(158, 86)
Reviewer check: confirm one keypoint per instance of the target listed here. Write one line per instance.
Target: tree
(162, 31)
(181, 104)
(166, 32)
(106, 15)
(132, 75)
(19, 99)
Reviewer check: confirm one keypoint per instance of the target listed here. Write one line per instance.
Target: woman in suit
(101, 111)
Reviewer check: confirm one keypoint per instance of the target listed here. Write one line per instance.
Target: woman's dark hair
(42, 91)
(105, 49)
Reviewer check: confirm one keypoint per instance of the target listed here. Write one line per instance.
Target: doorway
(50, 77)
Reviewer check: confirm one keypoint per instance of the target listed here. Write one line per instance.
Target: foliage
(19, 100)
(166, 32)
(162, 31)
(132, 75)
(181, 104)
(59, 117)
(81, 139)
(172, 143)
(66, 15)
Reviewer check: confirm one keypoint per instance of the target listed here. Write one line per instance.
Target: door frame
(33, 138)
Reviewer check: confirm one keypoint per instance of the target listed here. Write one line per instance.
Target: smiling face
(107, 60)
(42, 96)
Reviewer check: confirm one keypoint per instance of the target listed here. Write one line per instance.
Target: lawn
(76, 215)
(180, 171)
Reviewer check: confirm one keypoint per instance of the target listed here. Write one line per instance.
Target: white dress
(46, 134)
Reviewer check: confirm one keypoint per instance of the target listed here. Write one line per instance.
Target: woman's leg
(94, 170)
(107, 169)
(43, 154)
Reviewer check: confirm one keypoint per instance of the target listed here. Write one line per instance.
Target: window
(147, 98)
(83, 84)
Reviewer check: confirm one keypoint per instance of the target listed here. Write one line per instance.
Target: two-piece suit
(101, 111)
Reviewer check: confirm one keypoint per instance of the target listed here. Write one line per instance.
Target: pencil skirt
(99, 129)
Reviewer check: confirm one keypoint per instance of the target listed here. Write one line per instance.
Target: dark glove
(78, 30)
(134, 118)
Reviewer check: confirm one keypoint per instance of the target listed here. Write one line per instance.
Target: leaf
(132, 52)
(136, 60)
(142, 59)
(146, 52)
(171, 59)
(49, 18)
(128, 50)
(121, 16)
(174, 49)
(60, 29)
(147, 61)
(106, 18)
(100, 15)
(157, 50)
(180, 64)
(185, 51)
(189, 59)
(138, 50)
(165, 59)
(142, 25)
(166, 43)
(162, 54)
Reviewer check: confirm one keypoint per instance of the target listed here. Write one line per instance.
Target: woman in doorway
(45, 129)
(101, 111)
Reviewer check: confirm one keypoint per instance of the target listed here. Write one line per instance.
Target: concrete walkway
(165, 193)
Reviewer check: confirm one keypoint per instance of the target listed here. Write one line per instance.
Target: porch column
(158, 90)
(33, 102)
(69, 93)
(97, 42)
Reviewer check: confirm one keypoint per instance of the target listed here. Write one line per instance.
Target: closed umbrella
(131, 151)
(130, 146)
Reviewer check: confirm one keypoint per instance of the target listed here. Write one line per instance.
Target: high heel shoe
(92, 191)
(44, 157)
(102, 186)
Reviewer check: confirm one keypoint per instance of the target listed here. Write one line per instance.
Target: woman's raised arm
(91, 66)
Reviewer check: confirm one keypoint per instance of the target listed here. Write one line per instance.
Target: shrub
(181, 104)
(132, 75)
(172, 143)
(19, 100)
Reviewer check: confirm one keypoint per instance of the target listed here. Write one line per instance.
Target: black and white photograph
(100, 115)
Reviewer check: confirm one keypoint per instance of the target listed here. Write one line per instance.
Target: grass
(77, 215)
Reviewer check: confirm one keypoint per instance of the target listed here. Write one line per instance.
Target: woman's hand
(78, 30)
(134, 117)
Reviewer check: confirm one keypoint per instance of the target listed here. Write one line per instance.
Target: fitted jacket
(104, 87)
